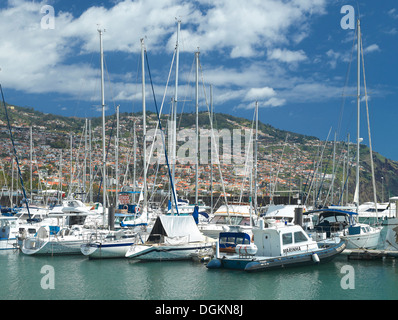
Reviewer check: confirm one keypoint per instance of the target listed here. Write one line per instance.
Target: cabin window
(218, 220)
(299, 237)
(287, 238)
(223, 239)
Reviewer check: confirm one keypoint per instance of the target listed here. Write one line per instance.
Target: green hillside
(288, 156)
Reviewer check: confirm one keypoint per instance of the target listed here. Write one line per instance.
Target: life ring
(137, 210)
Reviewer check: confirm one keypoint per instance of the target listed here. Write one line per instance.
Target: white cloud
(287, 56)
(260, 93)
(245, 27)
(372, 48)
(393, 13)
(34, 60)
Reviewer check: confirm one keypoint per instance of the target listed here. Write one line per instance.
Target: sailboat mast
(31, 164)
(103, 125)
(197, 128)
(117, 156)
(211, 152)
(91, 168)
(144, 122)
(174, 118)
(358, 110)
(255, 162)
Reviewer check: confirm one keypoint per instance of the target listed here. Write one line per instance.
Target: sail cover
(176, 226)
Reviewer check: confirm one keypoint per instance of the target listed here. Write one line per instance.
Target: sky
(296, 58)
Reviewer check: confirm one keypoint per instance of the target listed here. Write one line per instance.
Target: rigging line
(126, 174)
(340, 159)
(15, 152)
(317, 166)
(110, 85)
(162, 134)
(186, 93)
(215, 148)
(279, 166)
(321, 184)
(76, 170)
(247, 157)
(370, 137)
(161, 108)
(106, 155)
(344, 89)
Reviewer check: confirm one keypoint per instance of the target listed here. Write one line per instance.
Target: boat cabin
(8, 225)
(331, 221)
(234, 214)
(282, 240)
(229, 240)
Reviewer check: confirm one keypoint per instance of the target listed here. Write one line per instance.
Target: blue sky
(291, 56)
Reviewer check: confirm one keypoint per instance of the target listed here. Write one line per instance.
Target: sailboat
(238, 216)
(172, 238)
(117, 243)
(334, 224)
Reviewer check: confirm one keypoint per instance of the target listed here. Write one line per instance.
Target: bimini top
(176, 226)
(331, 211)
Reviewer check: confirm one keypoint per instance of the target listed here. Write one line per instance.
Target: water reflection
(77, 277)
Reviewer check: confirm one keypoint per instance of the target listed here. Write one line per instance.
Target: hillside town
(53, 158)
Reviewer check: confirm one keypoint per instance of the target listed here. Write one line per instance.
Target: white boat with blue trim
(172, 238)
(113, 245)
(275, 246)
(334, 225)
(55, 241)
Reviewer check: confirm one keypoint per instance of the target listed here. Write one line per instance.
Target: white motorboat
(172, 238)
(286, 212)
(334, 225)
(236, 215)
(276, 245)
(382, 211)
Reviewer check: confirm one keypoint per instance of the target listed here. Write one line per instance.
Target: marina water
(77, 277)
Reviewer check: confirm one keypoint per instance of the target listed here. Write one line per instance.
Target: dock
(369, 254)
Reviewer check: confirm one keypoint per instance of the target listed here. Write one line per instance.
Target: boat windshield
(333, 218)
(233, 220)
(130, 217)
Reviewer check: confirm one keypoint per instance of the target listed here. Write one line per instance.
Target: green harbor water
(78, 278)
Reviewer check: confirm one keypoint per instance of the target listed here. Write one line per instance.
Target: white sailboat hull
(106, 250)
(36, 246)
(369, 240)
(167, 252)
